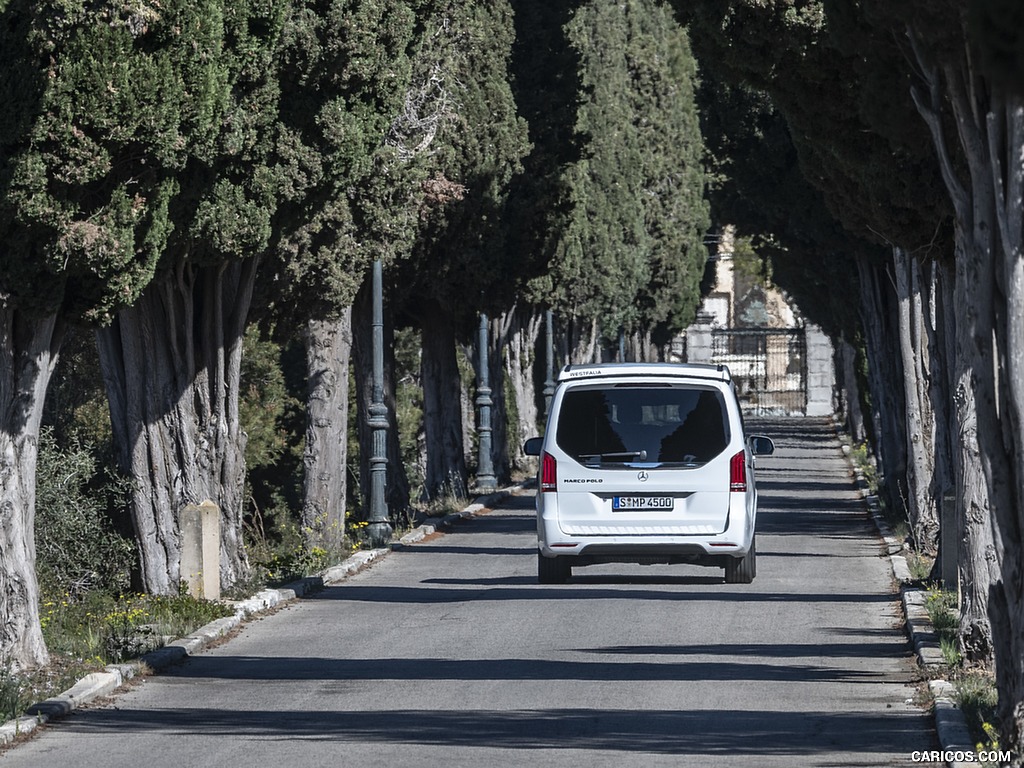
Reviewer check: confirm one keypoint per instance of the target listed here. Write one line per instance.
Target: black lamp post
(485, 479)
(379, 529)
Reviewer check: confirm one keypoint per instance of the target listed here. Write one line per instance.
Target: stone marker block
(821, 374)
(199, 532)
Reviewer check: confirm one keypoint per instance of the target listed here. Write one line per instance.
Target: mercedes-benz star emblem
(642, 476)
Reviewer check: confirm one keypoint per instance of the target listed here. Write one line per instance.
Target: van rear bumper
(552, 541)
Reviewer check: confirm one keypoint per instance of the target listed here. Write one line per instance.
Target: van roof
(683, 370)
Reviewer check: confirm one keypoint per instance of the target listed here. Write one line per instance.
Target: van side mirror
(761, 445)
(532, 446)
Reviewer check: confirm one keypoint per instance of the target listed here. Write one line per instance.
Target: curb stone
(98, 684)
(950, 723)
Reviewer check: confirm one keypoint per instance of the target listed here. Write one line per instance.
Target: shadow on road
(688, 732)
(226, 667)
(584, 587)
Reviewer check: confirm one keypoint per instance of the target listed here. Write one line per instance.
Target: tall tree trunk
(584, 341)
(519, 359)
(442, 405)
(922, 504)
(846, 366)
(1005, 141)
(328, 349)
(397, 488)
(885, 381)
(941, 328)
(171, 367)
(990, 334)
(28, 354)
(498, 336)
(978, 567)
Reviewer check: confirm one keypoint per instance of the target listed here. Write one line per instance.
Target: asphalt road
(448, 653)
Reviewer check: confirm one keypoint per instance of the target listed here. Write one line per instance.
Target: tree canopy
(630, 252)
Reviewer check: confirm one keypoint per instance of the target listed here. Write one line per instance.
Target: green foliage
(468, 160)
(746, 263)
(270, 410)
(278, 550)
(977, 697)
(102, 108)
(545, 71)
(845, 94)
(672, 193)
(758, 186)
(816, 141)
(77, 548)
(409, 403)
(110, 627)
(19, 691)
(177, 615)
(76, 403)
(347, 195)
(273, 418)
(942, 610)
(631, 252)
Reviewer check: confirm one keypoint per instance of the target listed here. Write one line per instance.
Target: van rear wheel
(742, 570)
(553, 570)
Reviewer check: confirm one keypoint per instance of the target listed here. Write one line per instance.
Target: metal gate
(768, 366)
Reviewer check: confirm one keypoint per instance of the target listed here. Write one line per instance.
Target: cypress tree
(673, 194)
(457, 264)
(171, 362)
(100, 104)
(345, 73)
(630, 254)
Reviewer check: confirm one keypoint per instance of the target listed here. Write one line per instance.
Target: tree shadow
(694, 732)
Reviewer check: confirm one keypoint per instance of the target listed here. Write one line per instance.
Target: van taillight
(548, 473)
(738, 473)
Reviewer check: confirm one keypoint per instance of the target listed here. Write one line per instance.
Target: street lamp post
(485, 479)
(379, 529)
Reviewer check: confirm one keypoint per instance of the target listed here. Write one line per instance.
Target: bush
(77, 547)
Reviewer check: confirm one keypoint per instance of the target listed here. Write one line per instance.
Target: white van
(646, 463)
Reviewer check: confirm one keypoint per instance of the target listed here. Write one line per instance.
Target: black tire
(553, 570)
(742, 570)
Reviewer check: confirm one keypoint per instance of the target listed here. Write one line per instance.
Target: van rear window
(678, 425)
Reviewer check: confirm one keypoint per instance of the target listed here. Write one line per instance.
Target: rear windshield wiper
(597, 458)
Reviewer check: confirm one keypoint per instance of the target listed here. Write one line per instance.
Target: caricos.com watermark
(991, 757)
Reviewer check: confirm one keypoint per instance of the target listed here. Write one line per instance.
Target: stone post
(949, 544)
(199, 529)
(821, 373)
(699, 342)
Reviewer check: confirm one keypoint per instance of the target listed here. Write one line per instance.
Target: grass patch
(85, 632)
(19, 691)
(976, 695)
(862, 460)
(919, 565)
(974, 688)
(451, 498)
(945, 617)
(109, 629)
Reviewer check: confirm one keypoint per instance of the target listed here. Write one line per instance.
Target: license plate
(634, 503)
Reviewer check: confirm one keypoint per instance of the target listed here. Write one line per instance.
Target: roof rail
(689, 370)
